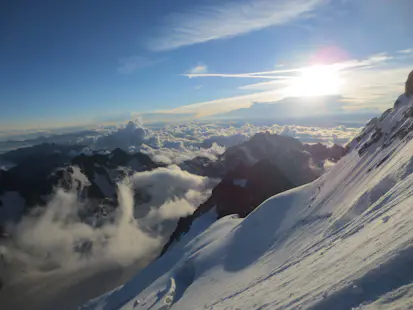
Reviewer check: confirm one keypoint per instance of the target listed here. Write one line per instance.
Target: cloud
(252, 75)
(406, 51)
(224, 105)
(65, 245)
(207, 23)
(225, 141)
(275, 74)
(199, 69)
(133, 134)
(129, 65)
(364, 83)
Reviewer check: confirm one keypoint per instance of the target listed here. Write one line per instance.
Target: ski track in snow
(344, 241)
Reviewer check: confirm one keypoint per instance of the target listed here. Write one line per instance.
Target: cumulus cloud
(328, 165)
(176, 156)
(133, 134)
(175, 143)
(174, 193)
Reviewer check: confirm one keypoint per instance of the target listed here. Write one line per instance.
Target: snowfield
(344, 241)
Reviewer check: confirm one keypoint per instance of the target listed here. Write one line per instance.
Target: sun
(319, 80)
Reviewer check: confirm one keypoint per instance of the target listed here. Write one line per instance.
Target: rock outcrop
(409, 85)
(321, 152)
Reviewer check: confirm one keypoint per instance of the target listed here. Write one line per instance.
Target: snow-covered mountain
(344, 241)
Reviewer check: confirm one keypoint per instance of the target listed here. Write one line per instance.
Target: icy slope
(344, 241)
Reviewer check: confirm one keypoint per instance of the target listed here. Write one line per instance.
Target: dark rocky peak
(242, 190)
(320, 152)
(260, 146)
(241, 171)
(121, 158)
(41, 152)
(204, 166)
(118, 157)
(30, 178)
(275, 140)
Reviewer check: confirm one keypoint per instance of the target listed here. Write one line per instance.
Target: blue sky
(66, 63)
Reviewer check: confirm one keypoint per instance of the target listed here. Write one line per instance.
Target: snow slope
(344, 241)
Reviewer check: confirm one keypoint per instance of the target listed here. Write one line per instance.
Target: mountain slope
(255, 170)
(341, 242)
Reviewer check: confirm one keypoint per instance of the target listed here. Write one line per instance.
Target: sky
(71, 63)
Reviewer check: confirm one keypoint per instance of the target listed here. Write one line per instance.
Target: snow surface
(343, 241)
(82, 179)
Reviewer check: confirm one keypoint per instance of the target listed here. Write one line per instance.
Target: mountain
(40, 169)
(255, 170)
(68, 138)
(343, 241)
(321, 152)
(287, 153)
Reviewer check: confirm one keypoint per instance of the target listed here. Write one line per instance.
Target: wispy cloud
(374, 81)
(276, 74)
(199, 69)
(129, 65)
(223, 105)
(206, 23)
(238, 75)
(406, 51)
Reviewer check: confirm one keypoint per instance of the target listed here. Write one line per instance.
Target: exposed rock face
(204, 166)
(287, 153)
(409, 85)
(321, 152)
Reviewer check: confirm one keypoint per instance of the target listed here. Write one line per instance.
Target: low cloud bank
(173, 144)
(176, 143)
(65, 237)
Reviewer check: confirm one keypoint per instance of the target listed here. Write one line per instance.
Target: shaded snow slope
(343, 241)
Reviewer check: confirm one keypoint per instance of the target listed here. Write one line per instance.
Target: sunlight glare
(319, 80)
